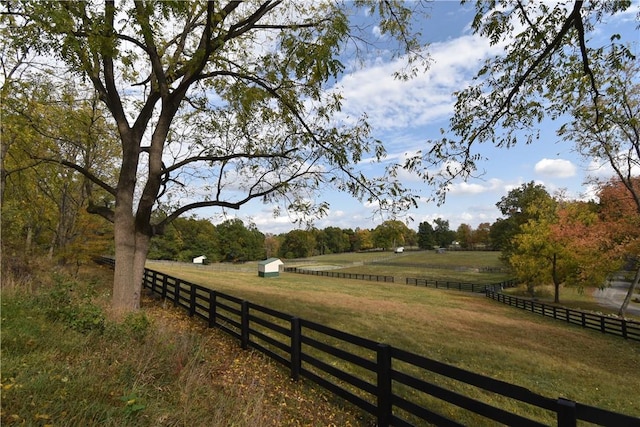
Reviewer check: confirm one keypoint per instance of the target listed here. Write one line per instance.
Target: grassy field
(472, 267)
(469, 331)
(65, 362)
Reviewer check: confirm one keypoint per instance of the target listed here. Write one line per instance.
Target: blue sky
(404, 115)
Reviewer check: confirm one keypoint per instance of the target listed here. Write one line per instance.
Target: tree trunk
(125, 292)
(28, 240)
(632, 289)
(140, 259)
(556, 281)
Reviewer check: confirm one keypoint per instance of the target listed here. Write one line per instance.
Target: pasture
(469, 331)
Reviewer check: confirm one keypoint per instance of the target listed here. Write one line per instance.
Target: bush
(71, 303)
(135, 325)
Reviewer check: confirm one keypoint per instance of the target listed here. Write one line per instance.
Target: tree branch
(504, 107)
(226, 158)
(103, 211)
(85, 172)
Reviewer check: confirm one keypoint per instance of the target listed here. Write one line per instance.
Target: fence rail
(325, 273)
(624, 328)
(460, 286)
(395, 386)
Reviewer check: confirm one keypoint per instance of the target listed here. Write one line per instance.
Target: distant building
(270, 267)
(199, 259)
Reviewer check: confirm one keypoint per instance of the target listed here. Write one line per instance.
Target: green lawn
(469, 331)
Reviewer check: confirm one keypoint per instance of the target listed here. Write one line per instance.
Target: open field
(473, 267)
(469, 331)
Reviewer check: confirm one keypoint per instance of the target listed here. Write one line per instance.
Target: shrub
(71, 303)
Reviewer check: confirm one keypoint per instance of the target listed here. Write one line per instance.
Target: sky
(405, 114)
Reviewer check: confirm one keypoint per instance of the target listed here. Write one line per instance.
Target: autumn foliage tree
(621, 216)
(576, 243)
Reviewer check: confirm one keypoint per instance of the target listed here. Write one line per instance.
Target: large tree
(442, 234)
(518, 209)
(535, 255)
(607, 130)
(391, 234)
(426, 236)
(216, 103)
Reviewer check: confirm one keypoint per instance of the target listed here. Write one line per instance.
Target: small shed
(199, 259)
(270, 267)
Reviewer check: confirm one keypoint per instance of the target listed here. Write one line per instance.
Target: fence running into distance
(328, 273)
(460, 286)
(393, 385)
(627, 329)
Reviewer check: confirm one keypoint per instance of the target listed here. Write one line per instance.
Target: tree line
(235, 241)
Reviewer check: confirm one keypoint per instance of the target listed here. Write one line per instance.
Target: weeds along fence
(396, 387)
(624, 328)
(325, 273)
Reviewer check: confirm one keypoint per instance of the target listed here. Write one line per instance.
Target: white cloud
(390, 103)
(465, 188)
(555, 168)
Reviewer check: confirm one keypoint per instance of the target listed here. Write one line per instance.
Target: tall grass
(65, 363)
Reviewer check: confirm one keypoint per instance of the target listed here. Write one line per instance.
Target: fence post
(384, 385)
(192, 300)
(296, 348)
(244, 321)
(624, 328)
(212, 309)
(164, 286)
(567, 413)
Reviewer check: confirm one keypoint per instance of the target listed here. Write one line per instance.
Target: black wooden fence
(395, 386)
(328, 273)
(460, 286)
(627, 329)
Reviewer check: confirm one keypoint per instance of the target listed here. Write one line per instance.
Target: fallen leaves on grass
(242, 373)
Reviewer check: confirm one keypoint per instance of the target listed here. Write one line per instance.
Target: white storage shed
(270, 267)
